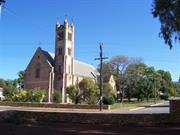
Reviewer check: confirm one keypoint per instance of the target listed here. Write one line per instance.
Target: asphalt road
(156, 108)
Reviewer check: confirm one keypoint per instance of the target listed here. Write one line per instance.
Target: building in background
(1, 93)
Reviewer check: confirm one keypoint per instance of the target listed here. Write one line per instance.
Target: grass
(133, 103)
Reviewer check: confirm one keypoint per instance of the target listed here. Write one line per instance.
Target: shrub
(164, 96)
(56, 97)
(17, 95)
(92, 100)
(36, 95)
(108, 100)
(74, 94)
(88, 90)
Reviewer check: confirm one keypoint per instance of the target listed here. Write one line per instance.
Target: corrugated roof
(84, 69)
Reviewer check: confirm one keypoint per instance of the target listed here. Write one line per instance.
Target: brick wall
(30, 79)
(92, 118)
(174, 106)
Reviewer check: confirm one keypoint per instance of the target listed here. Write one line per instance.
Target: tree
(107, 90)
(107, 70)
(74, 94)
(2, 82)
(133, 80)
(168, 12)
(166, 87)
(176, 89)
(120, 63)
(20, 79)
(89, 90)
(108, 95)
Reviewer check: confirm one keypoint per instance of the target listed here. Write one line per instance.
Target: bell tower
(64, 57)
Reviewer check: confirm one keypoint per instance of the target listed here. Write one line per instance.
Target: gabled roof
(84, 69)
(49, 57)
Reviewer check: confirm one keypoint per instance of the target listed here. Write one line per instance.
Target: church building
(58, 70)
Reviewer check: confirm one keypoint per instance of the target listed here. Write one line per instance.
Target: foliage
(166, 83)
(20, 79)
(168, 12)
(107, 90)
(18, 95)
(176, 87)
(36, 95)
(56, 97)
(92, 100)
(88, 89)
(109, 100)
(134, 79)
(164, 96)
(107, 71)
(120, 62)
(74, 94)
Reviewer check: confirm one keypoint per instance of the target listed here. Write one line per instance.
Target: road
(156, 108)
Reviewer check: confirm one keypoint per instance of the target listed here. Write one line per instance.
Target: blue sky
(125, 27)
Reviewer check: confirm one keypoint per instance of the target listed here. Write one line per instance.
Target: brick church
(58, 70)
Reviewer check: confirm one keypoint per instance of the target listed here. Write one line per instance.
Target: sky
(126, 27)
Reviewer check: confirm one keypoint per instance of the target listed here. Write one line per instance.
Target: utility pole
(101, 58)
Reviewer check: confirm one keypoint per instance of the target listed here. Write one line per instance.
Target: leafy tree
(9, 86)
(176, 89)
(132, 75)
(107, 90)
(20, 79)
(89, 90)
(152, 78)
(166, 87)
(108, 94)
(2, 82)
(168, 12)
(74, 94)
(107, 70)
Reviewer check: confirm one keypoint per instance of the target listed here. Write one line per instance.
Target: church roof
(84, 69)
(80, 68)
(49, 57)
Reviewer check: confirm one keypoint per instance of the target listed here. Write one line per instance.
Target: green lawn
(134, 103)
